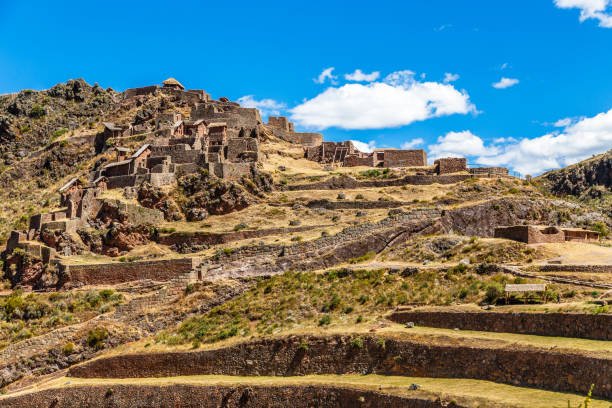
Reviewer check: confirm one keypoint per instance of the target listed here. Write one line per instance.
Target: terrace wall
(113, 273)
(587, 326)
(214, 396)
(522, 366)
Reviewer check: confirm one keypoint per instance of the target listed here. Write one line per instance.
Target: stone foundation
(113, 273)
(521, 366)
(587, 326)
(338, 183)
(194, 396)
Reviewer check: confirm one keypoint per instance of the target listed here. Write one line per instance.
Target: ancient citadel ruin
(196, 222)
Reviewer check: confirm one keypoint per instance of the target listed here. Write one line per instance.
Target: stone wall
(530, 234)
(229, 171)
(339, 183)
(587, 326)
(572, 268)
(113, 273)
(143, 90)
(522, 366)
(232, 114)
(404, 158)
(489, 172)
(354, 161)
(215, 396)
(180, 153)
(282, 123)
(361, 204)
(211, 238)
(450, 165)
(239, 145)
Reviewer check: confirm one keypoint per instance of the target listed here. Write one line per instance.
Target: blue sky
(554, 54)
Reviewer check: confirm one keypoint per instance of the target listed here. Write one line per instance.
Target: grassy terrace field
(474, 393)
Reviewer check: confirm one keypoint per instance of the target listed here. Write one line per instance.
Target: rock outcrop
(581, 178)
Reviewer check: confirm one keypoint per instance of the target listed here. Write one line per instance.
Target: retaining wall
(197, 396)
(337, 183)
(587, 326)
(111, 273)
(209, 238)
(348, 204)
(572, 268)
(519, 366)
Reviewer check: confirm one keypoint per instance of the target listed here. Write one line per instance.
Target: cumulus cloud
(578, 141)
(505, 83)
(590, 9)
(325, 75)
(359, 76)
(397, 100)
(460, 144)
(266, 106)
(448, 77)
(364, 147)
(411, 144)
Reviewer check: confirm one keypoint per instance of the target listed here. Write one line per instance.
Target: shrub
(303, 346)
(37, 112)
(58, 133)
(68, 349)
(357, 342)
(363, 258)
(601, 228)
(325, 320)
(96, 337)
(382, 343)
(359, 319)
(494, 292)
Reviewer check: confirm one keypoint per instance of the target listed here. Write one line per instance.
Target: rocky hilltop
(591, 178)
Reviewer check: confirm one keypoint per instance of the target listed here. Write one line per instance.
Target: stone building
(173, 84)
(282, 123)
(536, 234)
(450, 165)
(330, 152)
(388, 158)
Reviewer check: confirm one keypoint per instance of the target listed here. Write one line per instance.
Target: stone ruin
(536, 234)
(219, 136)
(282, 128)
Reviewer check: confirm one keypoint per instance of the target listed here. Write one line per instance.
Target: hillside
(589, 181)
(165, 248)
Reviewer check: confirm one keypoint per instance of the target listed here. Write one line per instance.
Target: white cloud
(503, 66)
(448, 77)
(500, 140)
(266, 106)
(359, 76)
(563, 122)
(460, 144)
(595, 9)
(364, 147)
(395, 101)
(576, 142)
(505, 83)
(326, 74)
(443, 27)
(412, 143)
